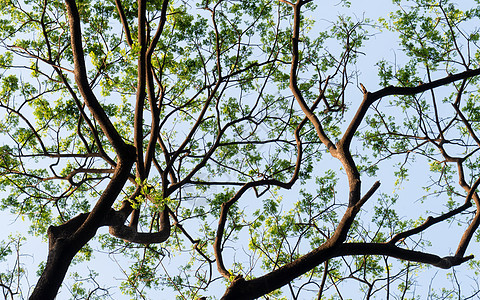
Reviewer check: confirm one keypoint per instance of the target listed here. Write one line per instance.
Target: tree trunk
(60, 256)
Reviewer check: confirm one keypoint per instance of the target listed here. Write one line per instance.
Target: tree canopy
(237, 149)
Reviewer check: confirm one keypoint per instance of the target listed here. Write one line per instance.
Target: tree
(164, 121)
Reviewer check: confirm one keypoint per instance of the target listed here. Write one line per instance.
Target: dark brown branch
(70, 176)
(226, 205)
(341, 150)
(370, 98)
(130, 234)
(400, 253)
(141, 88)
(87, 120)
(470, 231)
(294, 85)
(123, 19)
(393, 90)
(34, 131)
(155, 108)
(158, 33)
(429, 222)
(252, 289)
(80, 134)
(283, 275)
(66, 240)
(81, 79)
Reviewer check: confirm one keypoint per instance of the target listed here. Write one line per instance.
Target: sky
(388, 49)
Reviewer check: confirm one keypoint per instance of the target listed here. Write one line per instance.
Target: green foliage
(219, 116)
(12, 266)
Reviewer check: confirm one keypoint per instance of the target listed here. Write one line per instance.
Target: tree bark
(60, 256)
(67, 239)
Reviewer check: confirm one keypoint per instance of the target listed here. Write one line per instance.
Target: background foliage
(234, 118)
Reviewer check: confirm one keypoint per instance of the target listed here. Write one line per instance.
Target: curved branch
(226, 205)
(470, 231)
(155, 109)
(429, 222)
(370, 98)
(123, 19)
(81, 79)
(242, 289)
(130, 234)
(29, 124)
(251, 289)
(158, 33)
(87, 120)
(294, 85)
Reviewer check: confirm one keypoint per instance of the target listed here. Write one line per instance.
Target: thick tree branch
(294, 84)
(242, 289)
(123, 19)
(81, 79)
(429, 222)
(154, 107)
(141, 88)
(472, 228)
(252, 289)
(393, 90)
(67, 239)
(130, 234)
(87, 120)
